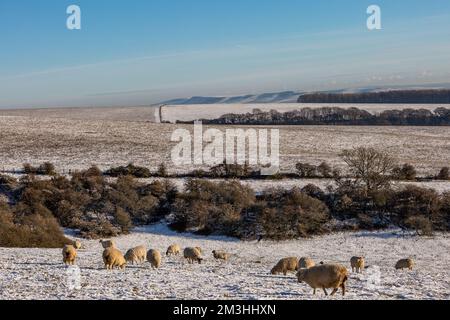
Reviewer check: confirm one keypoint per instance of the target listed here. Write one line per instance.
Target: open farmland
(76, 139)
(40, 273)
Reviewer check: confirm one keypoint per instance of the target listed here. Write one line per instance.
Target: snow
(40, 274)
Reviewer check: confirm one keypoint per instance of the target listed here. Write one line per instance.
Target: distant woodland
(396, 96)
(338, 116)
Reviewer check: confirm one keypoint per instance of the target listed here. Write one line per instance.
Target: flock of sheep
(322, 276)
(326, 276)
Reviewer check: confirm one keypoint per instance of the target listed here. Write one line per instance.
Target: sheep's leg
(343, 289)
(325, 291)
(314, 292)
(334, 291)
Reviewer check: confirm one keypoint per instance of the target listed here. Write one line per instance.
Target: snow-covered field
(40, 274)
(73, 140)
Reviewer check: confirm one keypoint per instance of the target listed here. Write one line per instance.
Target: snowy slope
(39, 273)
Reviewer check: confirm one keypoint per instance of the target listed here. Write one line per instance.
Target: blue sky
(139, 52)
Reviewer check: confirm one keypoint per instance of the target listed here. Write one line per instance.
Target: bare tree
(370, 167)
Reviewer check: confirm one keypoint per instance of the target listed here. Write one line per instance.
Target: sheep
(174, 249)
(192, 255)
(285, 265)
(220, 255)
(113, 258)
(69, 254)
(405, 264)
(136, 255)
(77, 244)
(306, 263)
(107, 244)
(357, 264)
(154, 257)
(324, 276)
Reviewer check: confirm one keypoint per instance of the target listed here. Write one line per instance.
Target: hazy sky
(139, 52)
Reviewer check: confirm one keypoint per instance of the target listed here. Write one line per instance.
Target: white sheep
(285, 265)
(113, 258)
(69, 254)
(220, 255)
(192, 255)
(405, 264)
(357, 264)
(136, 255)
(306, 263)
(174, 249)
(154, 257)
(77, 244)
(107, 244)
(325, 276)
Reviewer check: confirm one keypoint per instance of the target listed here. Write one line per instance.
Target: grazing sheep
(192, 255)
(306, 263)
(77, 244)
(69, 254)
(285, 265)
(405, 264)
(174, 250)
(154, 257)
(107, 244)
(357, 264)
(136, 255)
(324, 277)
(113, 258)
(220, 255)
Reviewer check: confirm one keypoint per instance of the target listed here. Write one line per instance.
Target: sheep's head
(274, 270)
(301, 275)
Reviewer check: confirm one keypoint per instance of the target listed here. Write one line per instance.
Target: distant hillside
(274, 97)
(426, 96)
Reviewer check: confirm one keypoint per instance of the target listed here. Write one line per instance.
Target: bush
(444, 174)
(413, 205)
(313, 191)
(292, 214)
(208, 207)
(406, 172)
(30, 231)
(325, 170)
(129, 170)
(162, 171)
(421, 224)
(231, 171)
(306, 170)
(123, 220)
(46, 168)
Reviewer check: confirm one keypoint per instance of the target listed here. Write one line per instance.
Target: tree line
(338, 116)
(394, 96)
